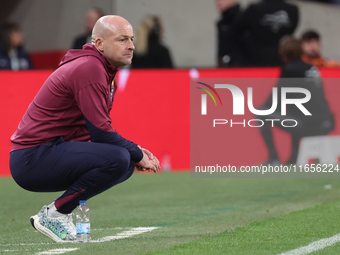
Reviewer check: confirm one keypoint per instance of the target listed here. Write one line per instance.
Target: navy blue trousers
(83, 169)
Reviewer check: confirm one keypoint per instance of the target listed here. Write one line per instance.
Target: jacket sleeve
(92, 102)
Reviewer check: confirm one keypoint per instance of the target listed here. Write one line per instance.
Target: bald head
(107, 25)
(113, 37)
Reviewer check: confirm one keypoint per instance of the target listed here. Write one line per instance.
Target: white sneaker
(59, 229)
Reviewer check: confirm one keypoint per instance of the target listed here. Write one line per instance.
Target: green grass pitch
(190, 216)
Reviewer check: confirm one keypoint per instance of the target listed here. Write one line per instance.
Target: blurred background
(190, 32)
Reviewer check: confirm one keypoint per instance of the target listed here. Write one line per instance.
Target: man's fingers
(149, 162)
(156, 164)
(139, 168)
(147, 152)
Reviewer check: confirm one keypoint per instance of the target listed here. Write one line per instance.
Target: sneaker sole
(43, 230)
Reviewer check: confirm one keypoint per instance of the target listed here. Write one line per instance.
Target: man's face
(223, 5)
(118, 46)
(311, 48)
(91, 19)
(16, 39)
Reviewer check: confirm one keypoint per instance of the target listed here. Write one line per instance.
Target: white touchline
(125, 234)
(122, 235)
(315, 246)
(56, 251)
(101, 229)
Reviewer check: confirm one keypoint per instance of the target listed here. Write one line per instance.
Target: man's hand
(148, 162)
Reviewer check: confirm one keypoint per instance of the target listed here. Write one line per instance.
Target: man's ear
(99, 43)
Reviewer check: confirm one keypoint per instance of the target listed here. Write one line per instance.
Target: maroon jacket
(74, 102)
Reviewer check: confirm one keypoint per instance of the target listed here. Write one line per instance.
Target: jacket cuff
(136, 155)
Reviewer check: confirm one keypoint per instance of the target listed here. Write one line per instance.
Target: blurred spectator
(321, 122)
(327, 1)
(91, 18)
(263, 24)
(322, 1)
(311, 46)
(229, 51)
(150, 52)
(12, 53)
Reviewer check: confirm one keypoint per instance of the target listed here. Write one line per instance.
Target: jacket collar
(111, 70)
